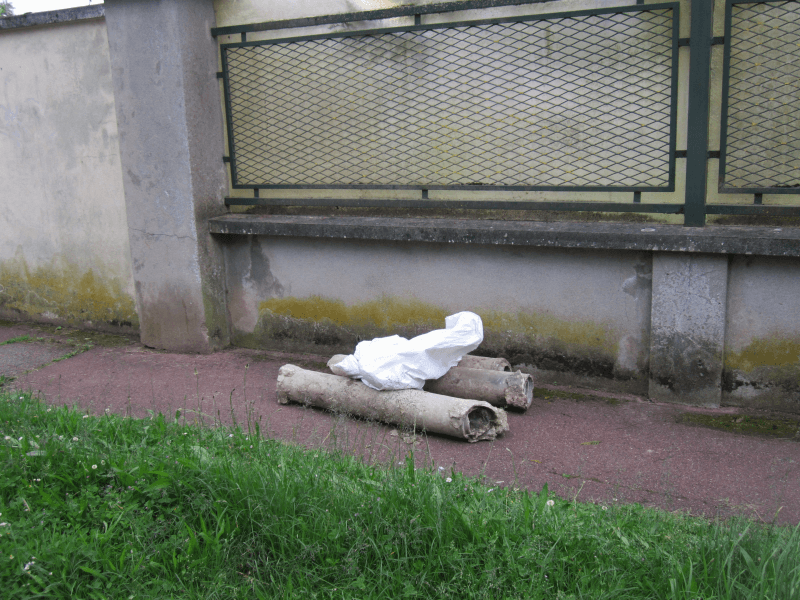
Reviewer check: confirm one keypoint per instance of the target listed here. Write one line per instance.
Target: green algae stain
(744, 424)
(547, 328)
(768, 352)
(384, 313)
(394, 315)
(66, 293)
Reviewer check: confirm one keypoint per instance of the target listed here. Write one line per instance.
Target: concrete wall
(164, 64)
(575, 311)
(112, 144)
(762, 336)
(64, 253)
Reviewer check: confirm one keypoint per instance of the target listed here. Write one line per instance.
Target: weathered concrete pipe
(495, 387)
(471, 420)
(481, 362)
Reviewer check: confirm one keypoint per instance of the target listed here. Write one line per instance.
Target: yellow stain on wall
(766, 352)
(384, 313)
(388, 313)
(547, 328)
(64, 291)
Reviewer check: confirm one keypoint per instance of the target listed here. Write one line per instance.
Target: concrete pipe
(495, 387)
(471, 420)
(481, 362)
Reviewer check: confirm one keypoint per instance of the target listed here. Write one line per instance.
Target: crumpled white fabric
(395, 363)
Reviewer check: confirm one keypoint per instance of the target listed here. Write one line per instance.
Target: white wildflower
(449, 479)
(94, 466)
(551, 502)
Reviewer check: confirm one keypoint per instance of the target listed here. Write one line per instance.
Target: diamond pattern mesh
(568, 101)
(762, 141)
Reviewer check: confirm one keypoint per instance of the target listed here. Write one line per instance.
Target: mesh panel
(762, 141)
(568, 101)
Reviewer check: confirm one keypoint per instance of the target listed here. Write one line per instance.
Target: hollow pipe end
(484, 422)
(519, 390)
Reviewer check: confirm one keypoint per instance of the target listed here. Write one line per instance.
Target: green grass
(109, 507)
(14, 340)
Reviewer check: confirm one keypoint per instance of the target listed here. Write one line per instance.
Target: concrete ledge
(52, 17)
(757, 241)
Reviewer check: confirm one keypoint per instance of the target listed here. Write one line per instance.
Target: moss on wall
(538, 327)
(325, 325)
(764, 374)
(63, 292)
(768, 352)
(384, 313)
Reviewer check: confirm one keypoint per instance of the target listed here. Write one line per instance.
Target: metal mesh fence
(761, 131)
(567, 101)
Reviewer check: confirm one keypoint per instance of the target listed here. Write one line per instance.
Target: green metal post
(697, 139)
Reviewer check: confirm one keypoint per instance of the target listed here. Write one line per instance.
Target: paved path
(602, 449)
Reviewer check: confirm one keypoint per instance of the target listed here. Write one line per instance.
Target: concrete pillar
(688, 328)
(164, 63)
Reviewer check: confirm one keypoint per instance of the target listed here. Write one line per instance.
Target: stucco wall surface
(64, 252)
(762, 338)
(584, 312)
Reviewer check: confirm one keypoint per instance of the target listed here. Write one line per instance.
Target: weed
(19, 338)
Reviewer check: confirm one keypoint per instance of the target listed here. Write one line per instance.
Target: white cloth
(395, 363)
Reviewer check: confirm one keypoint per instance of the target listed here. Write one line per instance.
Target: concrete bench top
(757, 241)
